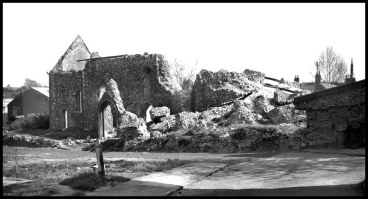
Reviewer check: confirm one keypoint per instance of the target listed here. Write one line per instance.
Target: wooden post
(100, 163)
(16, 162)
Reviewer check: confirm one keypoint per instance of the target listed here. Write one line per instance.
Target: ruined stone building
(84, 86)
(331, 111)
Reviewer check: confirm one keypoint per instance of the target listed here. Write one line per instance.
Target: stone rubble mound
(228, 88)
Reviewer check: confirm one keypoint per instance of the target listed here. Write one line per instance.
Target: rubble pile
(227, 105)
(231, 112)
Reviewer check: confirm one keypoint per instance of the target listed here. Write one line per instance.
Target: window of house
(63, 93)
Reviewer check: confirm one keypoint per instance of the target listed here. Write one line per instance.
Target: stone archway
(127, 124)
(145, 112)
(108, 115)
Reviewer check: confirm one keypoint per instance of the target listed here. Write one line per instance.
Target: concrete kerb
(137, 188)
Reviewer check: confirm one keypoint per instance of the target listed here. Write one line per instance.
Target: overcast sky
(281, 40)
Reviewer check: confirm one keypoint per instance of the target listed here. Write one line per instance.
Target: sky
(279, 39)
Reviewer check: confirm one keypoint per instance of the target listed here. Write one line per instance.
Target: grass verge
(79, 175)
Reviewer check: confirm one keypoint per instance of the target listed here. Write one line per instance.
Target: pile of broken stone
(250, 103)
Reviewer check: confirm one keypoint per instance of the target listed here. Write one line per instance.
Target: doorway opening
(64, 119)
(107, 119)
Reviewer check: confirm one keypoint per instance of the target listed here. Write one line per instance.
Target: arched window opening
(78, 100)
(63, 93)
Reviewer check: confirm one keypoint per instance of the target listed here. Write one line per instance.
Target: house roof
(323, 86)
(308, 85)
(42, 90)
(330, 91)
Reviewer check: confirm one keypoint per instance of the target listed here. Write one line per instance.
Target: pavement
(9, 181)
(352, 152)
(309, 173)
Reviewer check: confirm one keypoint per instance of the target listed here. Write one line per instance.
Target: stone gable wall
(141, 79)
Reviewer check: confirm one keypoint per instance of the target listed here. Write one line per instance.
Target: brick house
(34, 100)
(8, 95)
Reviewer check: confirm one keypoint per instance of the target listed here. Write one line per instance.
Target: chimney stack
(296, 79)
(351, 69)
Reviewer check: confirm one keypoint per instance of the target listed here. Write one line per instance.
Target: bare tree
(184, 74)
(31, 83)
(331, 66)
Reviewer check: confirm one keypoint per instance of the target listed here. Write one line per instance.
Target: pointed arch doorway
(109, 109)
(107, 118)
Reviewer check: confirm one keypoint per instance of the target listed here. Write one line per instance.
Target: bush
(35, 122)
(184, 141)
(251, 130)
(87, 181)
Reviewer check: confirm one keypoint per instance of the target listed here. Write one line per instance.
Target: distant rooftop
(42, 90)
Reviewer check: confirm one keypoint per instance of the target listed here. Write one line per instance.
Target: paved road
(285, 174)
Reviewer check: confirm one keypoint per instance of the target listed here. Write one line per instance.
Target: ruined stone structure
(82, 86)
(331, 111)
(211, 89)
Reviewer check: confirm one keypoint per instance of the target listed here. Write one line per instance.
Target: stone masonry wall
(70, 82)
(334, 107)
(141, 79)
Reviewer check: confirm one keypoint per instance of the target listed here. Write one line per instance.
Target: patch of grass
(58, 134)
(48, 172)
(71, 174)
(49, 192)
(147, 166)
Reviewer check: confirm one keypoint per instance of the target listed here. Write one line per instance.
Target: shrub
(87, 181)
(184, 141)
(253, 130)
(35, 122)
